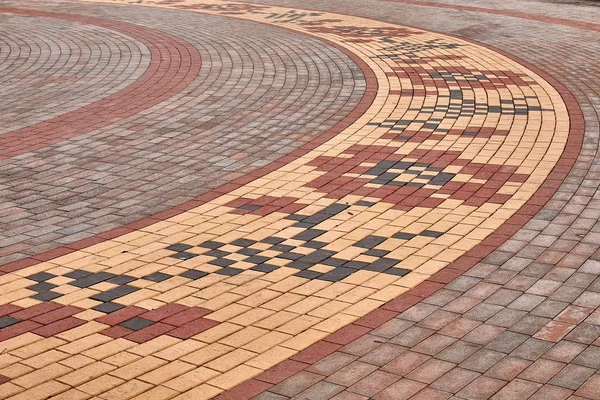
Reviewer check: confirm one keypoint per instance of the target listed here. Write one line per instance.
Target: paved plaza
(285, 199)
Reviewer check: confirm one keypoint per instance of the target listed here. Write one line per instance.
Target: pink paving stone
(517, 390)
(484, 334)
(541, 371)
(551, 392)
(554, 331)
(403, 389)
(349, 396)
(405, 363)
(434, 344)
(430, 371)
(352, 373)
(508, 368)
(383, 354)
(362, 345)
(455, 380)
(431, 394)
(573, 314)
(459, 327)
(374, 383)
(590, 389)
(481, 388)
(392, 328)
(296, 383)
(332, 363)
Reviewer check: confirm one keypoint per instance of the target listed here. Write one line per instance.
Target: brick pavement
(93, 180)
(423, 181)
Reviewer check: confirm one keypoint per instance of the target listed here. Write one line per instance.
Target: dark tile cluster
(84, 279)
(403, 173)
(403, 49)
(303, 262)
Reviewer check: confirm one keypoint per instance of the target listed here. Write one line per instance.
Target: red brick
(59, 326)
(316, 352)
(347, 334)
(56, 314)
(163, 312)
(193, 328)
(186, 316)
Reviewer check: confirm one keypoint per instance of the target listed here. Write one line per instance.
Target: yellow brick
(167, 372)
(304, 339)
(42, 391)
(276, 320)
(271, 357)
(105, 350)
(86, 373)
(259, 298)
(9, 389)
(154, 345)
(230, 360)
(307, 305)
(206, 354)
(180, 349)
(243, 336)
(158, 393)
(100, 385)
(299, 324)
(35, 348)
(228, 312)
(265, 342)
(252, 316)
(139, 367)
(41, 360)
(42, 375)
(126, 390)
(328, 309)
(15, 370)
(77, 361)
(218, 332)
(121, 359)
(85, 343)
(234, 377)
(202, 392)
(191, 379)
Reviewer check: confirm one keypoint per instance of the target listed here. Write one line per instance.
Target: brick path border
(174, 64)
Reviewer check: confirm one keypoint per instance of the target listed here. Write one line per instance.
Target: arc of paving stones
(456, 141)
(173, 65)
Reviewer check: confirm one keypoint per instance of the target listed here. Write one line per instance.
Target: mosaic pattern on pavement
(453, 141)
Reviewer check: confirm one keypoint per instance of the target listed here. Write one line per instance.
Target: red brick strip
(358, 111)
(378, 317)
(174, 64)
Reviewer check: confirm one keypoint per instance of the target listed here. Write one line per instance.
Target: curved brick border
(388, 311)
(393, 308)
(174, 64)
(357, 112)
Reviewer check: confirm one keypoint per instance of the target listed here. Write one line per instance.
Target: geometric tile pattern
(440, 154)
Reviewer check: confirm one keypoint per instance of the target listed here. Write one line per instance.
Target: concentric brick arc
(456, 141)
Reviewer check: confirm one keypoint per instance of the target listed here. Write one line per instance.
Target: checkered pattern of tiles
(455, 142)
